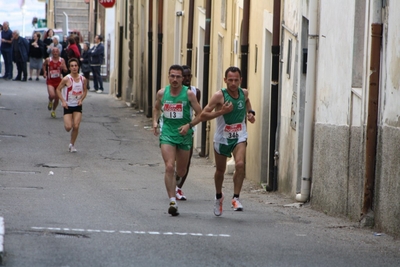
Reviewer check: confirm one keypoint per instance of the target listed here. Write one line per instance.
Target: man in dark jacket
(20, 50)
(6, 50)
(96, 60)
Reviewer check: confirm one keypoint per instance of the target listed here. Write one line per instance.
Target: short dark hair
(185, 67)
(233, 69)
(100, 37)
(72, 60)
(175, 67)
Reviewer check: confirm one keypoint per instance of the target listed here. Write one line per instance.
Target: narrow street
(106, 205)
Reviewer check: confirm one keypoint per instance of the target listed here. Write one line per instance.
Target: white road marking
(126, 232)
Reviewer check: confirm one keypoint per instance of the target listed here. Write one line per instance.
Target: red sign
(107, 3)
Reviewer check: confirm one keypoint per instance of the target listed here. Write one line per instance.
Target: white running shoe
(236, 205)
(71, 148)
(179, 194)
(218, 206)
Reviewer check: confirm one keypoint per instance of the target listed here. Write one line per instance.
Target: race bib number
(173, 111)
(233, 131)
(75, 95)
(54, 74)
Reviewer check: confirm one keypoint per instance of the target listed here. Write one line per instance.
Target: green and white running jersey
(231, 127)
(175, 112)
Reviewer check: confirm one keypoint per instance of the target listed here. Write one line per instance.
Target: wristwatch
(252, 112)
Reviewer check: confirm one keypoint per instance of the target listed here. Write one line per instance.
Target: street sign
(107, 3)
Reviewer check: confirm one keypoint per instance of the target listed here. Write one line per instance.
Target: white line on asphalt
(127, 232)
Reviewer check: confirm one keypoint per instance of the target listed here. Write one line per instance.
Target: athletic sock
(235, 195)
(218, 196)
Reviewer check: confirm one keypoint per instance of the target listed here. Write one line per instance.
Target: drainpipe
(189, 46)
(149, 112)
(372, 116)
(272, 184)
(309, 103)
(206, 75)
(244, 43)
(160, 38)
(136, 60)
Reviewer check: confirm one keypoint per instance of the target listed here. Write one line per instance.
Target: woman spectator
(36, 50)
(56, 43)
(48, 39)
(77, 42)
(72, 49)
(85, 63)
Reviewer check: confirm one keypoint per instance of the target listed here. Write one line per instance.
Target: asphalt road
(106, 205)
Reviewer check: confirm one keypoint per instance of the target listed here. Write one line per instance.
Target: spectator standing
(96, 59)
(20, 49)
(85, 63)
(48, 39)
(6, 50)
(55, 43)
(78, 43)
(63, 52)
(36, 50)
(72, 49)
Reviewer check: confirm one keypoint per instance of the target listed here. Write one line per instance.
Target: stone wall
(78, 15)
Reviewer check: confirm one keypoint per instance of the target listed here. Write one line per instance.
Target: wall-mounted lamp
(179, 13)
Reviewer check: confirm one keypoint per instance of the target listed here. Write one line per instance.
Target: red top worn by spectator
(73, 51)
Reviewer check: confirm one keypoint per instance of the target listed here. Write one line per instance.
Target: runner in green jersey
(172, 109)
(231, 106)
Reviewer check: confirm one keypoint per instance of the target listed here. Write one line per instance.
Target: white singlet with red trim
(73, 93)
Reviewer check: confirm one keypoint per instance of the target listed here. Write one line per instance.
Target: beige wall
(224, 52)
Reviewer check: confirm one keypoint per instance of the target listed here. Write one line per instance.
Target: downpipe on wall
(309, 103)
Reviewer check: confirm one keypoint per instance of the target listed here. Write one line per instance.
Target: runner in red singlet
(52, 72)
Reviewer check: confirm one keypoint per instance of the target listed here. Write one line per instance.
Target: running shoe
(218, 206)
(236, 205)
(71, 148)
(173, 209)
(53, 114)
(50, 105)
(179, 194)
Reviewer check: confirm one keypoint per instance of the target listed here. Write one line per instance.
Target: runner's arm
(44, 67)
(63, 65)
(157, 110)
(197, 110)
(250, 116)
(216, 103)
(58, 91)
